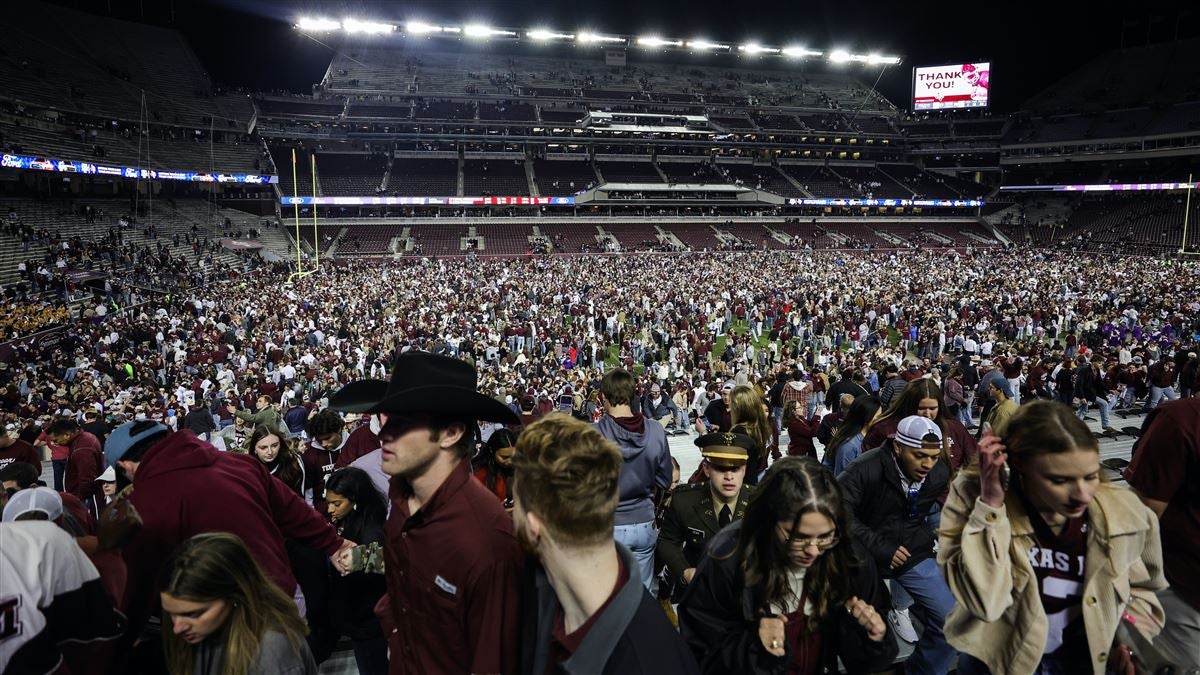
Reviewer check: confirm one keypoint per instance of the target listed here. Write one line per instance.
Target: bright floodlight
(421, 28)
(542, 34)
(705, 45)
(876, 59)
(371, 27)
(753, 48)
(593, 38)
(655, 41)
(309, 23)
(799, 52)
(480, 31)
(840, 56)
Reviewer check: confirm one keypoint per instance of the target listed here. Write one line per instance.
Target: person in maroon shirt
(183, 486)
(1165, 472)
(13, 449)
(801, 431)
(42, 443)
(326, 437)
(85, 458)
(585, 609)
(450, 558)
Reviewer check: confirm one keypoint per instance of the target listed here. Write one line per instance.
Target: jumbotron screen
(962, 85)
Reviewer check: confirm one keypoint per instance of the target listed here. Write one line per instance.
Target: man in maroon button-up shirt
(450, 557)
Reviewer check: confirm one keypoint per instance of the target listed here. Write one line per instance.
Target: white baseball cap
(39, 498)
(915, 431)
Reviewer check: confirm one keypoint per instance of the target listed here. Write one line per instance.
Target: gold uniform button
(991, 517)
(1091, 601)
(1102, 657)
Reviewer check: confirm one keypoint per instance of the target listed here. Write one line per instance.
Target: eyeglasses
(823, 542)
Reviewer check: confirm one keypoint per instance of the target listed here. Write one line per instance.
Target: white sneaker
(902, 624)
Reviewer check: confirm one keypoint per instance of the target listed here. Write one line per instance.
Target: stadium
(223, 224)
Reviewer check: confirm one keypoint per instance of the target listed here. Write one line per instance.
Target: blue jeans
(60, 471)
(964, 414)
(640, 539)
(924, 582)
(1157, 394)
(1099, 402)
(817, 399)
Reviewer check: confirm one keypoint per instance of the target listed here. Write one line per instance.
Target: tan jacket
(1000, 415)
(998, 617)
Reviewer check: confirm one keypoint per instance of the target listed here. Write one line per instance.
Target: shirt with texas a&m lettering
(1059, 561)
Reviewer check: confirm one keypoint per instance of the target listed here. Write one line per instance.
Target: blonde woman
(1044, 564)
(748, 413)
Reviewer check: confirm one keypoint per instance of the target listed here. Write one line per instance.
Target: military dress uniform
(693, 517)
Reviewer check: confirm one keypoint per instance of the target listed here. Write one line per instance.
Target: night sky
(251, 44)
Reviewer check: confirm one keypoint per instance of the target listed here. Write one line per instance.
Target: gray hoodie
(647, 466)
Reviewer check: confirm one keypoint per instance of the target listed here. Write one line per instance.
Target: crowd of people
(465, 466)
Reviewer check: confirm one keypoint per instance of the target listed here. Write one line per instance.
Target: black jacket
(1087, 385)
(720, 623)
(891, 389)
(631, 636)
(880, 508)
(353, 597)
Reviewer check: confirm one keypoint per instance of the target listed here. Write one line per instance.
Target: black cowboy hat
(424, 382)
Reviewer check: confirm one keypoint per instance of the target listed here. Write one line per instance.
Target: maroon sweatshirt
(184, 487)
(84, 464)
(20, 451)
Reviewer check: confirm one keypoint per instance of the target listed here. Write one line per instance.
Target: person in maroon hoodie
(85, 458)
(183, 486)
(326, 437)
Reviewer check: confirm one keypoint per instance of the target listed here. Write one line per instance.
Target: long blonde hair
(746, 409)
(217, 566)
